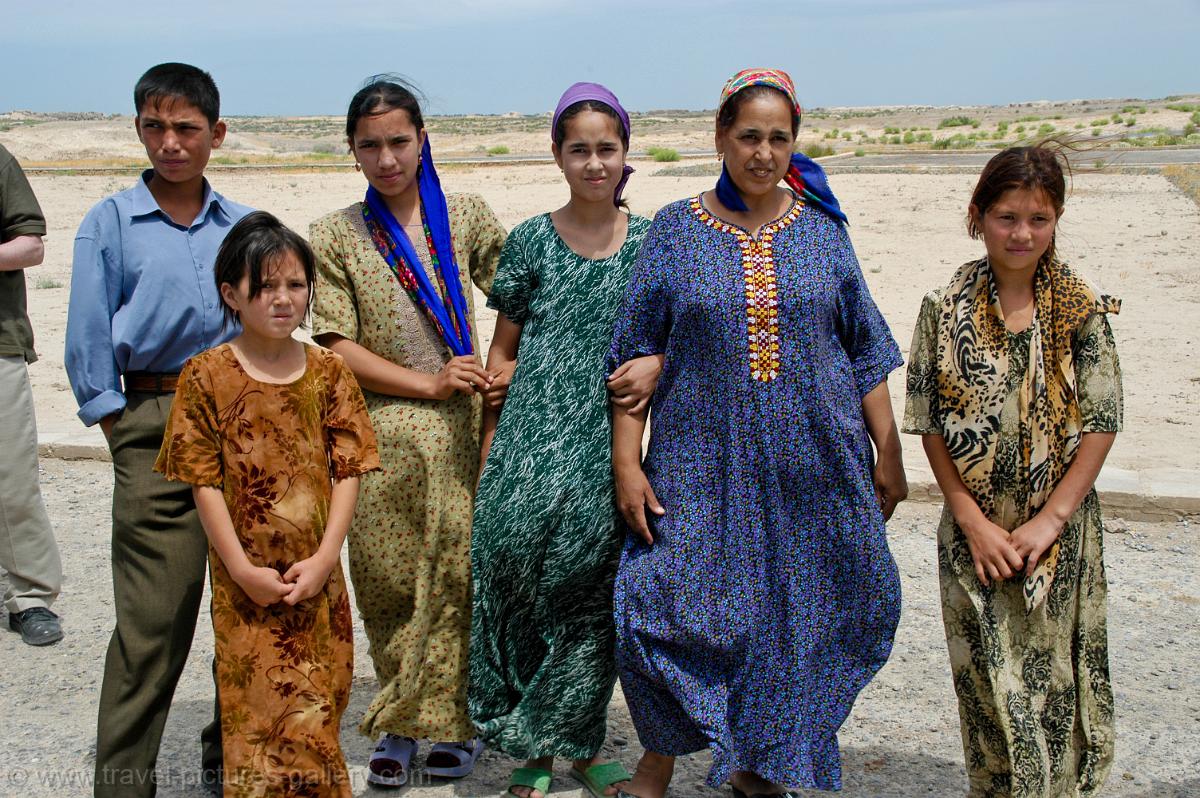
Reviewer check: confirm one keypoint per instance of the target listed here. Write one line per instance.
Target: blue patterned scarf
(447, 307)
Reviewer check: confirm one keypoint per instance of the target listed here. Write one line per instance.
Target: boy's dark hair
(1039, 167)
(383, 93)
(252, 246)
(178, 81)
(728, 112)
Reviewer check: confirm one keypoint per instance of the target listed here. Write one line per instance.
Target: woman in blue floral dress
(759, 597)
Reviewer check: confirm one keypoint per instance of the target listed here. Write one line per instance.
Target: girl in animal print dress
(1015, 387)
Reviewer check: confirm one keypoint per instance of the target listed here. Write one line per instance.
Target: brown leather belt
(150, 382)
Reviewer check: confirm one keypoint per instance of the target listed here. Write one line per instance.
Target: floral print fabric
(283, 672)
(545, 543)
(410, 542)
(769, 598)
(1034, 696)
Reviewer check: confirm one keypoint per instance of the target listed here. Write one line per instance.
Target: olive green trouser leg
(159, 559)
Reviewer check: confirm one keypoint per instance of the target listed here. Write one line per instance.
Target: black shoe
(37, 625)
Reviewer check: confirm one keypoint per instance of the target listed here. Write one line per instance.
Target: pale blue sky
(472, 56)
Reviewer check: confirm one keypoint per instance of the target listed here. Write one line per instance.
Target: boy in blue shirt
(142, 302)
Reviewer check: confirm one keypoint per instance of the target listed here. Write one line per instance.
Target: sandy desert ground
(82, 139)
(1134, 235)
(900, 741)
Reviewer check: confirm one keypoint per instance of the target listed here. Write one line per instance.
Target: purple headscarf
(581, 92)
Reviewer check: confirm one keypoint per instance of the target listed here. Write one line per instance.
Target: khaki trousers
(27, 548)
(159, 560)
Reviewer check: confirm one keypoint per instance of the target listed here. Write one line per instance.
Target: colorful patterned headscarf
(583, 92)
(972, 378)
(775, 78)
(805, 176)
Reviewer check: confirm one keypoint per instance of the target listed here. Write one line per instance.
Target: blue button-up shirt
(142, 293)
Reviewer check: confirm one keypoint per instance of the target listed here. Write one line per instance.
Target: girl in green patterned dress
(545, 545)
(1015, 388)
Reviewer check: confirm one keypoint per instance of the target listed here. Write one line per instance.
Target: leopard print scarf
(972, 358)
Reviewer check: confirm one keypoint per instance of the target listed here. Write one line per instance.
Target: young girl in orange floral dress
(273, 435)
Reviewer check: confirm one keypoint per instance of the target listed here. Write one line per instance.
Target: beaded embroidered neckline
(758, 272)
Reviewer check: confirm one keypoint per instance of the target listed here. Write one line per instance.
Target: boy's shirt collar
(143, 203)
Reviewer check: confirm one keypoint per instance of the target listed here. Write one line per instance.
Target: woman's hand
(263, 585)
(634, 495)
(891, 484)
(1033, 538)
(306, 578)
(462, 374)
(496, 391)
(634, 382)
(992, 550)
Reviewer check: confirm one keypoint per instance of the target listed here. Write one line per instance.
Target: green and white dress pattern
(1034, 696)
(545, 545)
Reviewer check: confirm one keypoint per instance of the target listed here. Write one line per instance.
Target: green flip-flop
(598, 778)
(534, 778)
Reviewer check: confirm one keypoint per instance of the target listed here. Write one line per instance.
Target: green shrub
(1020, 129)
(925, 136)
(43, 283)
(1045, 129)
(1134, 109)
(1182, 107)
(817, 150)
(890, 130)
(859, 153)
(909, 137)
(663, 154)
(957, 121)
(1130, 122)
(499, 149)
(956, 142)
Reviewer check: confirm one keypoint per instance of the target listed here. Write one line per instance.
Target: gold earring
(357, 166)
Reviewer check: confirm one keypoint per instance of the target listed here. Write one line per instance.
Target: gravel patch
(901, 740)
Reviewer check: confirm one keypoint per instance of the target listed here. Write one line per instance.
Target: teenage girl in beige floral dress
(410, 542)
